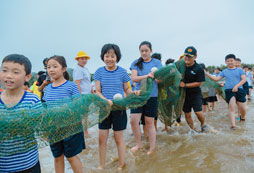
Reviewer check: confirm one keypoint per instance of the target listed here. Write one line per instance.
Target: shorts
(35, 169)
(70, 146)
(116, 118)
(240, 95)
(246, 88)
(205, 101)
(212, 99)
(193, 101)
(142, 120)
(149, 109)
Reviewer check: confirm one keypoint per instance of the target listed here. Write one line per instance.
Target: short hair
(20, 59)
(218, 68)
(229, 56)
(246, 66)
(156, 56)
(26, 83)
(40, 73)
(238, 59)
(169, 61)
(108, 47)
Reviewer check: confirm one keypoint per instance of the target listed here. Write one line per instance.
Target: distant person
(217, 71)
(205, 105)
(235, 78)
(169, 61)
(34, 87)
(193, 78)
(82, 77)
(156, 56)
(249, 78)
(26, 87)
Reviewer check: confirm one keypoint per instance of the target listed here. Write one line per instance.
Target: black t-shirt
(194, 73)
(42, 77)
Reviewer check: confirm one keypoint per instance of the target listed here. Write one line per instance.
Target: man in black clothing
(43, 79)
(193, 78)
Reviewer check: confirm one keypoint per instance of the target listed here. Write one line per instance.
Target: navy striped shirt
(60, 94)
(19, 152)
(111, 81)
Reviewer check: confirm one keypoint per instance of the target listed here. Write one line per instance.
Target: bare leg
(76, 164)
(59, 164)
(231, 108)
(135, 118)
(151, 133)
(118, 135)
(189, 120)
(201, 117)
(103, 137)
(242, 109)
(155, 125)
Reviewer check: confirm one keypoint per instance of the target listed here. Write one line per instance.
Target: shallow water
(179, 150)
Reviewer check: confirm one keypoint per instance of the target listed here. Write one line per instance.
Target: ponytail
(140, 63)
(66, 75)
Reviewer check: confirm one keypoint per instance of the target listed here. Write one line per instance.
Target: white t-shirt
(82, 73)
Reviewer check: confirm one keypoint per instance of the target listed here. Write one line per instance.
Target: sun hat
(82, 54)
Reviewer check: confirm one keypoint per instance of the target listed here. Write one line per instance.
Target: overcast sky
(40, 29)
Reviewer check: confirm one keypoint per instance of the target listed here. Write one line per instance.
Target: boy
(18, 153)
(193, 78)
(234, 79)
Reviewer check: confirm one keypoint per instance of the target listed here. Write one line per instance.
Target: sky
(40, 29)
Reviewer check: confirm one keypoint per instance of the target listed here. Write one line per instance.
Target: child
(62, 88)
(110, 80)
(34, 88)
(15, 70)
(81, 76)
(205, 105)
(193, 78)
(141, 69)
(249, 78)
(235, 78)
(26, 87)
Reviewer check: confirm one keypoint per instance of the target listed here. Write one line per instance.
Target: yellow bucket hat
(82, 54)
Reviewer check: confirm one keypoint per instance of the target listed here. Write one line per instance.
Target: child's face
(145, 52)
(230, 62)
(110, 58)
(82, 61)
(189, 61)
(246, 69)
(13, 75)
(55, 69)
(217, 71)
(238, 63)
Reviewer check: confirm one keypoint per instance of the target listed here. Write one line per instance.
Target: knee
(134, 122)
(72, 159)
(60, 159)
(118, 139)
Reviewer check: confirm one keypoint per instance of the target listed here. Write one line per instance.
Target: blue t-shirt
(232, 77)
(147, 66)
(25, 148)
(216, 74)
(111, 81)
(64, 93)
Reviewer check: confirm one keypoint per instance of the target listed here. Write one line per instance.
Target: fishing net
(171, 96)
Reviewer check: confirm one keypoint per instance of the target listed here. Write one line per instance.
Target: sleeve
(242, 72)
(77, 75)
(222, 74)
(74, 90)
(97, 75)
(200, 75)
(126, 76)
(133, 66)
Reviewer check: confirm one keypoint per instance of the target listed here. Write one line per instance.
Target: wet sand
(179, 150)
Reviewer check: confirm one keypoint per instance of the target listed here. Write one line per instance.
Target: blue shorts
(70, 146)
(240, 95)
(193, 101)
(116, 118)
(149, 109)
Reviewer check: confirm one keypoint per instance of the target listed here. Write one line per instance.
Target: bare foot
(101, 167)
(135, 149)
(165, 130)
(121, 167)
(150, 152)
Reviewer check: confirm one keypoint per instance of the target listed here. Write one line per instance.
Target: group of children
(109, 80)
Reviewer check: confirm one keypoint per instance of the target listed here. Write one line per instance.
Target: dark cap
(190, 51)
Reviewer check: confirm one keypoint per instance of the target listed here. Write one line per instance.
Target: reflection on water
(179, 150)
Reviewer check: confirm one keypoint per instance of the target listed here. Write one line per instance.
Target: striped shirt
(60, 94)
(19, 152)
(111, 81)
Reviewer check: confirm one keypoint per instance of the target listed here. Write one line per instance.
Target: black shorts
(35, 169)
(205, 101)
(116, 118)
(193, 101)
(240, 95)
(149, 109)
(70, 146)
(212, 99)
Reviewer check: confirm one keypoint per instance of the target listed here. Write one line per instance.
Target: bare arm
(214, 78)
(43, 85)
(190, 85)
(136, 78)
(78, 82)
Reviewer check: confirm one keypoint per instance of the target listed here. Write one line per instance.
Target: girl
(141, 69)
(62, 88)
(110, 80)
